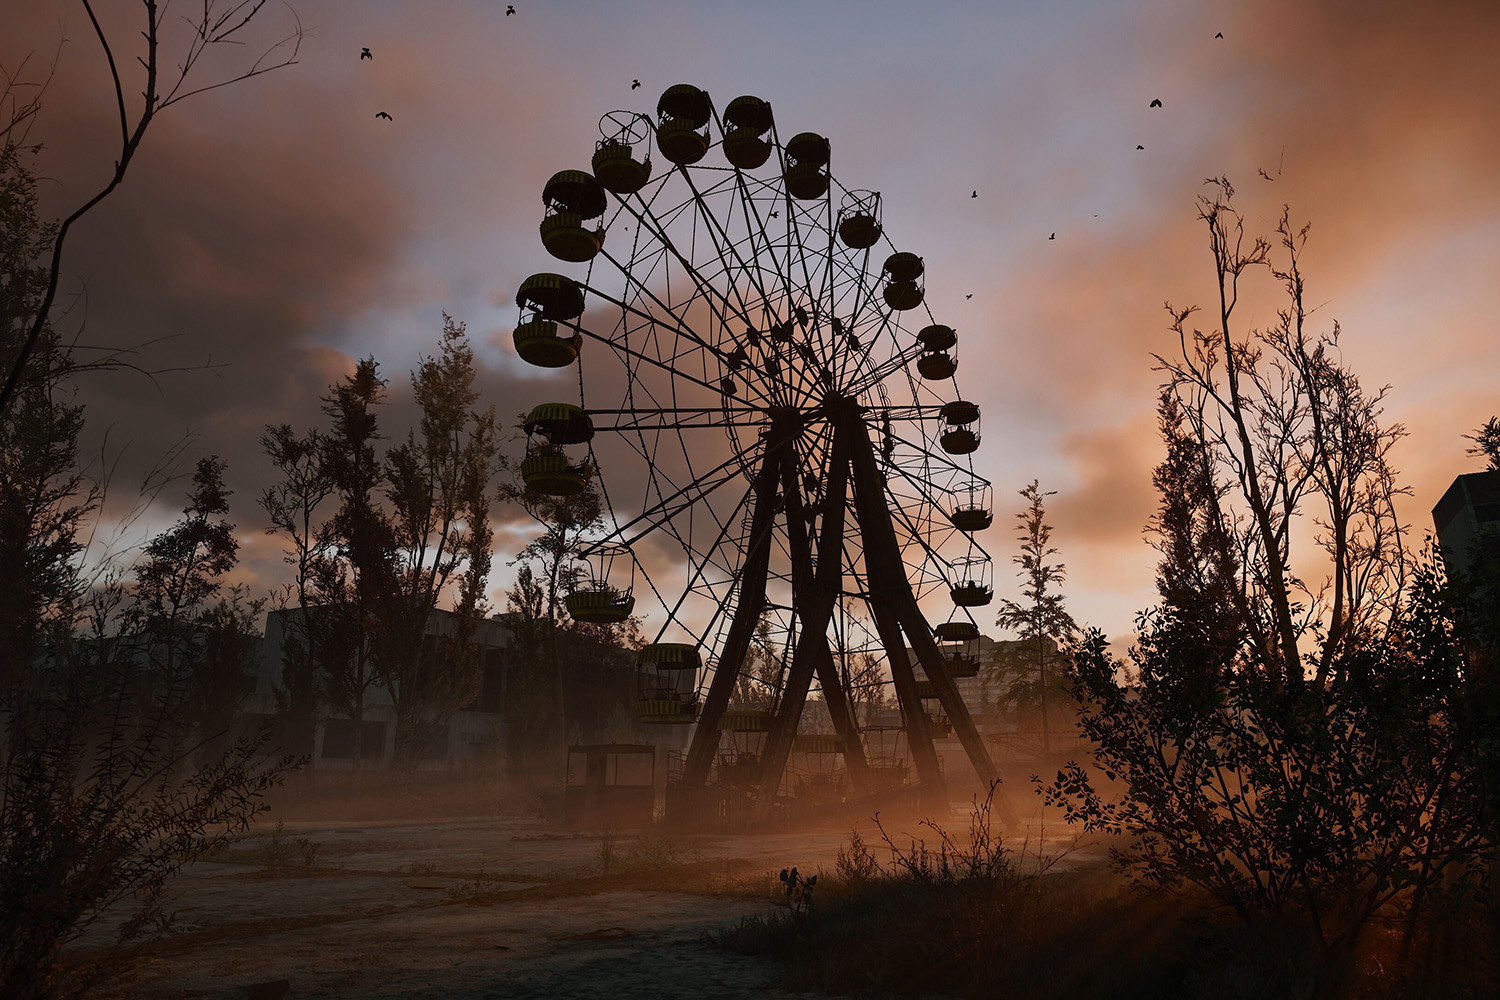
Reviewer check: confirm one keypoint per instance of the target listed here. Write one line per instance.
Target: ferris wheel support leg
(815, 593)
(920, 636)
(913, 717)
(843, 719)
(888, 588)
(751, 602)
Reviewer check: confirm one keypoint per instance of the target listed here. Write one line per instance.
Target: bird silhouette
(510, 9)
(635, 85)
(775, 214)
(1052, 237)
(969, 296)
(1140, 147)
(382, 114)
(1219, 35)
(365, 54)
(974, 195)
(1156, 103)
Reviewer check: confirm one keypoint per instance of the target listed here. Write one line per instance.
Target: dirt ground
(481, 907)
(472, 908)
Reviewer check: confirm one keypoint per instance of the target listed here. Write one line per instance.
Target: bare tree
(166, 80)
(1276, 415)
(1297, 735)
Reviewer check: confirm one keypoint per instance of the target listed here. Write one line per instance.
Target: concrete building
(1467, 519)
(473, 731)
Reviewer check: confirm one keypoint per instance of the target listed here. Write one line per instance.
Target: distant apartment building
(472, 732)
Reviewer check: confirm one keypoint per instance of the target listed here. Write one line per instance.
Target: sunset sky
(278, 230)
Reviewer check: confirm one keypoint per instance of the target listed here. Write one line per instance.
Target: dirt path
(472, 909)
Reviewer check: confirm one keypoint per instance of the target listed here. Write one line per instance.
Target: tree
(44, 496)
(1197, 573)
(292, 505)
(213, 27)
(356, 571)
(121, 766)
(1295, 750)
(183, 573)
(438, 485)
(1487, 443)
(1043, 620)
(531, 707)
(566, 522)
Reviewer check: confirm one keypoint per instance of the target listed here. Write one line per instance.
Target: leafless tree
(166, 81)
(1277, 417)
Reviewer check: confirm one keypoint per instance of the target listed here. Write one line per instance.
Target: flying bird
(1052, 237)
(1156, 103)
(510, 9)
(969, 296)
(382, 114)
(365, 54)
(974, 195)
(1219, 35)
(635, 85)
(1140, 147)
(775, 214)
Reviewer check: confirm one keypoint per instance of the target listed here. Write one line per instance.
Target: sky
(273, 231)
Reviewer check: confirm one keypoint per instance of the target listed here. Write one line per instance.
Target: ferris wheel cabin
(614, 162)
(958, 642)
(961, 417)
(682, 131)
(936, 363)
(902, 271)
(806, 171)
(544, 299)
(547, 468)
(667, 674)
(745, 142)
(572, 197)
(859, 220)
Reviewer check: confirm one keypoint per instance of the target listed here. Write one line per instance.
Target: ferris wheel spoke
(717, 300)
(702, 565)
(724, 244)
(642, 356)
(683, 497)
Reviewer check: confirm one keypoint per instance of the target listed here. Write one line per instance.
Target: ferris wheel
(789, 462)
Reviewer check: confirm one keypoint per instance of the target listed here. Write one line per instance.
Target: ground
(472, 908)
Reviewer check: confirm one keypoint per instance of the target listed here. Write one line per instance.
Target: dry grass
(965, 918)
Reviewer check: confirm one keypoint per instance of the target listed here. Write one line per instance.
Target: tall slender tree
(357, 571)
(1043, 620)
(292, 505)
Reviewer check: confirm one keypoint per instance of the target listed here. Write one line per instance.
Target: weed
(607, 839)
(309, 849)
(276, 850)
(651, 853)
(798, 890)
(469, 888)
